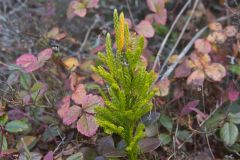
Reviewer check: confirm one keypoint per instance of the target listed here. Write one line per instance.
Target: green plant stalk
(129, 87)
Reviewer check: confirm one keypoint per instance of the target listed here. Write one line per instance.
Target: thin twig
(130, 13)
(180, 36)
(209, 147)
(168, 34)
(86, 36)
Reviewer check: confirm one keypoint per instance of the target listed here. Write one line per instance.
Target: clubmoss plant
(129, 87)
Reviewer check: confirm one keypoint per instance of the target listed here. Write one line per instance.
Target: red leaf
(92, 3)
(215, 71)
(71, 115)
(182, 71)
(79, 94)
(203, 46)
(54, 33)
(81, 12)
(71, 9)
(44, 88)
(178, 92)
(48, 156)
(232, 92)
(27, 99)
(196, 78)
(90, 101)
(28, 62)
(79, 9)
(189, 107)
(45, 55)
(149, 144)
(161, 17)
(163, 86)
(156, 5)
(145, 29)
(64, 106)
(200, 114)
(149, 18)
(87, 125)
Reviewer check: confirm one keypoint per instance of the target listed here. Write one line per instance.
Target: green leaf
(229, 133)
(234, 118)
(166, 122)
(36, 87)
(16, 126)
(76, 156)
(213, 122)
(30, 156)
(235, 69)
(37, 90)
(161, 29)
(3, 119)
(232, 108)
(25, 81)
(184, 136)
(165, 139)
(50, 133)
(4, 143)
(29, 141)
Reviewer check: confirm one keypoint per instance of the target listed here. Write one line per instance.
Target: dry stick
(209, 147)
(186, 49)
(168, 34)
(130, 13)
(180, 37)
(86, 36)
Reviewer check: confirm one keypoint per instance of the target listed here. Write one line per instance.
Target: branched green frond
(128, 86)
(139, 134)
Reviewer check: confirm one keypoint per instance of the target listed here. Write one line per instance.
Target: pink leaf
(43, 89)
(189, 107)
(178, 92)
(28, 62)
(48, 156)
(196, 78)
(129, 22)
(232, 92)
(63, 106)
(70, 10)
(45, 55)
(145, 29)
(71, 115)
(90, 101)
(87, 125)
(27, 99)
(79, 94)
(203, 46)
(92, 3)
(182, 70)
(81, 12)
(149, 18)
(79, 9)
(200, 114)
(161, 17)
(54, 33)
(156, 5)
